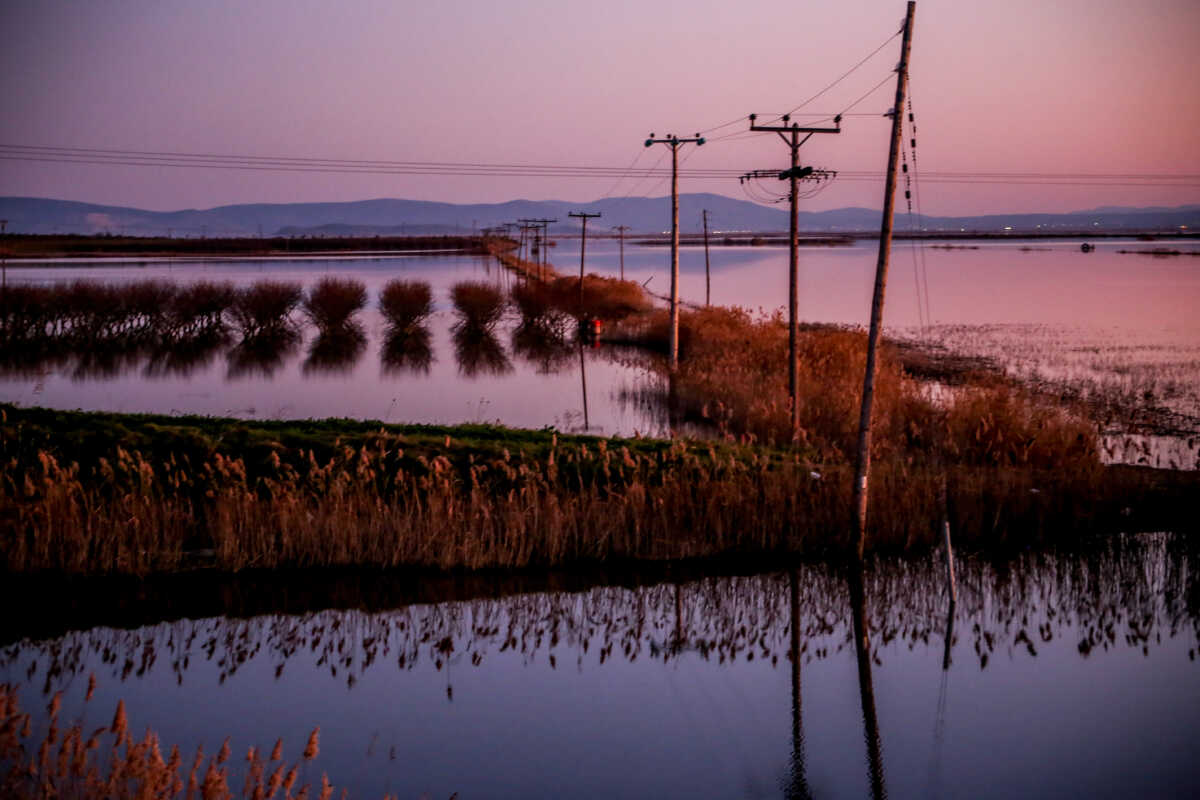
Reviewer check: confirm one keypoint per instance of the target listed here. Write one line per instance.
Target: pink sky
(1087, 86)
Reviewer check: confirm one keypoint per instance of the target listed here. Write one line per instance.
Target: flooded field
(1116, 330)
(1058, 674)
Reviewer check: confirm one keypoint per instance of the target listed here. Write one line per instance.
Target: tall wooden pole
(707, 276)
(621, 229)
(790, 133)
(863, 469)
(674, 142)
(674, 357)
(583, 215)
(794, 285)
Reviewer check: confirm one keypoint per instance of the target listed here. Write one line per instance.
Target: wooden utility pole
(707, 278)
(793, 176)
(583, 215)
(545, 260)
(621, 231)
(863, 469)
(674, 142)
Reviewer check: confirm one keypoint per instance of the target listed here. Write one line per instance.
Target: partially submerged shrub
(333, 301)
(405, 304)
(265, 307)
(479, 305)
(199, 308)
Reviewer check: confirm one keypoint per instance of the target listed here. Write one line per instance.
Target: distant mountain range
(642, 214)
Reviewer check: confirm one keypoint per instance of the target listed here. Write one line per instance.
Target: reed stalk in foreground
(109, 763)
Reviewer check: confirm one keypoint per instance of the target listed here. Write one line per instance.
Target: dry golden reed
(109, 763)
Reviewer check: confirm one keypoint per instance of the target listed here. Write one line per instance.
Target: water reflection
(862, 649)
(182, 357)
(409, 350)
(262, 355)
(545, 347)
(335, 351)
(479, 352)
(1041, 612)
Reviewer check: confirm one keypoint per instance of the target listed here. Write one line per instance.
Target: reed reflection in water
(1128, 607)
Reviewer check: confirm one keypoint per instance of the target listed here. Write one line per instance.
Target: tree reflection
(479, 352)
(262, 355)
(407, 350)
(335, 350)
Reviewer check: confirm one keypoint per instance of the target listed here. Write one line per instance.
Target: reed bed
(332, 303)
(108, 762)
(732, 373)
(405, 304)
(380, 504)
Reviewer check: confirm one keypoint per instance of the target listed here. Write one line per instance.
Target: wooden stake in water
(863, 468)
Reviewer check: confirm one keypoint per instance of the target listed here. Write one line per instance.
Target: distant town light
(1008, 227)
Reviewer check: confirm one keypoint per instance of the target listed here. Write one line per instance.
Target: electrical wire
(92, 156)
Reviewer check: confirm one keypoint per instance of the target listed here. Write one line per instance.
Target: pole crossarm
(794, 127)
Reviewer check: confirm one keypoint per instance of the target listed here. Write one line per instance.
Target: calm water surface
(1068, 674)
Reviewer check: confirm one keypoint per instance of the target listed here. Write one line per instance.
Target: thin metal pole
(707, 278)
(863, 469)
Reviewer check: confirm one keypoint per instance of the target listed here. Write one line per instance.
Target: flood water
(1068, 674)
(1117, 324)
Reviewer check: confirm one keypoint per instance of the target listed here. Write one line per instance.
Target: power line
(350, 166)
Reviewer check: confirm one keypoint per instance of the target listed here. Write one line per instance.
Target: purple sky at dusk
(1086, 86)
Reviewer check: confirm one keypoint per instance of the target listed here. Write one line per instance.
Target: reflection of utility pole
(583, 215)
(799, 783)
(862, 646)
(707, 279)
(583, 383)
(621, 230)
(793, 175)
(674, 142)
(863, 465)
(4, 254)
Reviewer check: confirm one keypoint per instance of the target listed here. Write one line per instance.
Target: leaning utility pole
(707, 279)
(583, 215)
(863, 469)
(545, 261)
(621, 230)
(674, 142)
(793, 175)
